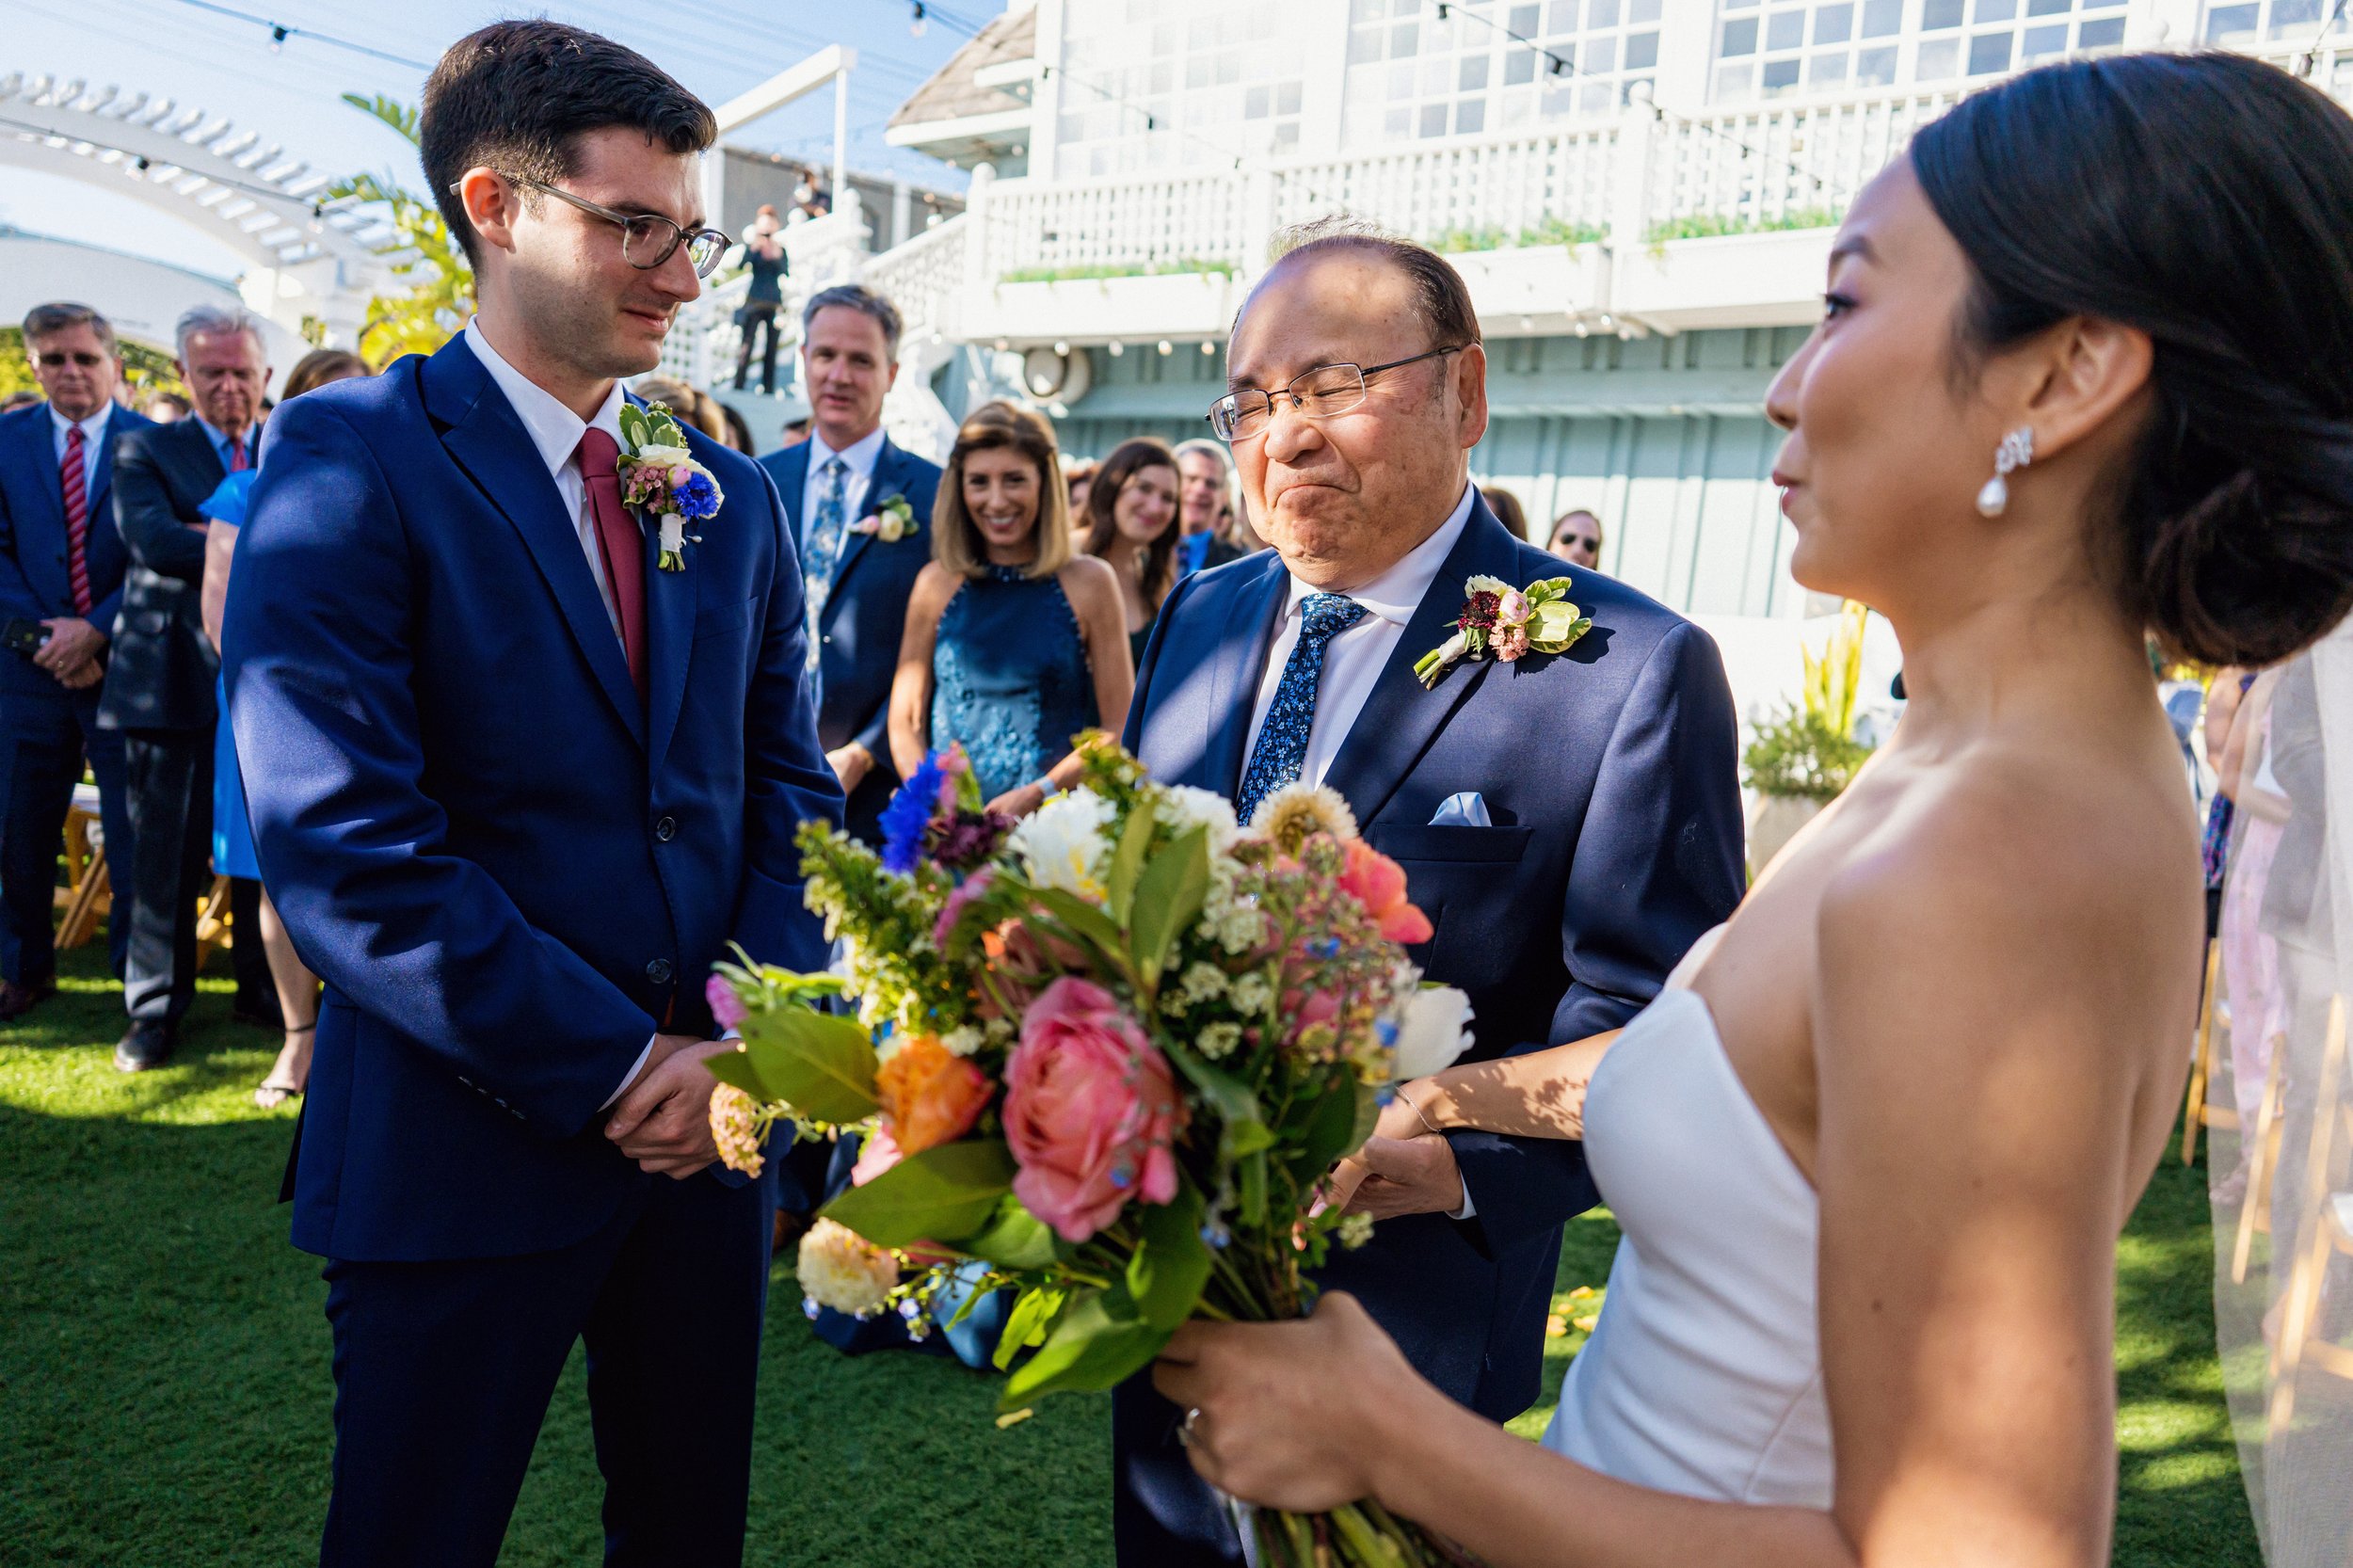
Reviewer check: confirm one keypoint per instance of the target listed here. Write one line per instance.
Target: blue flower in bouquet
(907, 819)
(696, 497)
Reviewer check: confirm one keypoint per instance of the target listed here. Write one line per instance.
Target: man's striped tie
(76, 487)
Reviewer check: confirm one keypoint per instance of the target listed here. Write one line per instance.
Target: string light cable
(281, 33)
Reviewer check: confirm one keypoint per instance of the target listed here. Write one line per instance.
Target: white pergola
(306, 254)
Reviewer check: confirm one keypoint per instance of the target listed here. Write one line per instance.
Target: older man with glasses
(1570, 821)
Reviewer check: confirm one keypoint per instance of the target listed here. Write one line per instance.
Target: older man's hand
(71, 651)
(1405, 1176)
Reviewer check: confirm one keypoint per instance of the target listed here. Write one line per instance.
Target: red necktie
(620, 543)
(76, 487)
(237, 458)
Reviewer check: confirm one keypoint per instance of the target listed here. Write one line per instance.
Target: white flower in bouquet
(1185, 808)
(1432, 1029)
(841, 1268)
(1290, 814)
(1063, 846)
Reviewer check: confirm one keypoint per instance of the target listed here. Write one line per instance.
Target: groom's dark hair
(517, 95)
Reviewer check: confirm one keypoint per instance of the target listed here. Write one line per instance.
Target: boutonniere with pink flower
(660, 478)
(1500, 621)
(890, 521)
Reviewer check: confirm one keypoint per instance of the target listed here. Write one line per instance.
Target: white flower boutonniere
(1504, 622)
(890, 521)
(659, 477)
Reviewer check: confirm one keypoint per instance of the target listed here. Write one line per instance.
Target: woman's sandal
(271, 1093)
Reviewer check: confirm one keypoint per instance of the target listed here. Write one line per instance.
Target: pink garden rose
(1090, 1111)
(1378, 882)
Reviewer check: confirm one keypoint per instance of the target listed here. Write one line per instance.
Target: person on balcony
(839, 486)
(764, 253)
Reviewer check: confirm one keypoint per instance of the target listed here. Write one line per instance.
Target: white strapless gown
(1704, 1375)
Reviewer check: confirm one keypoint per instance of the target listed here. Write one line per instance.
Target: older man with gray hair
(159, 686)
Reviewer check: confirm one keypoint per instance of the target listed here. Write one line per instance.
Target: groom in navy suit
(1570, 824)
(514, 787)
(858, 581)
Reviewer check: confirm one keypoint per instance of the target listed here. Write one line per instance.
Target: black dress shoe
(146, 1046)
(18, 998)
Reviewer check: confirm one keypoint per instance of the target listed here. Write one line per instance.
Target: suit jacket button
(665, 829)
(659, 971)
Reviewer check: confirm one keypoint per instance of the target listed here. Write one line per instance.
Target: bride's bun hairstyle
(2207, 200)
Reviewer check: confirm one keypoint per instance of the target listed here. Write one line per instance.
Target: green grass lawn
(164, 1393)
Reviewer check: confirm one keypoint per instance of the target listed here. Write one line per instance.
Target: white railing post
(1630, 177)
(1258, 219)
(977, 277)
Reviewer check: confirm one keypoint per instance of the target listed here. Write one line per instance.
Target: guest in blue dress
(233, 836)
(1013, 643)
(1129, 523)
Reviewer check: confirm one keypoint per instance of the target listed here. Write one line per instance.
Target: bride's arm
(1540, 1095)
(1979, 1146)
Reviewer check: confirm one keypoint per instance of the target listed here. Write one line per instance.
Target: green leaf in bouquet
(1135, 841)
(1248, 1138)
(1087, 924)
(1168, 899)
(1171, 1261)
(1337, 1123)
(942, 1194)
(1012, 1239)
(1231, 1098)
(635, 429)
(1099, 1344)
(822, 1065)
(1252, 1169)
(1032, 1315)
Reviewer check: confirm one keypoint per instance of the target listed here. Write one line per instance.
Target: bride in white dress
(1872, 1148)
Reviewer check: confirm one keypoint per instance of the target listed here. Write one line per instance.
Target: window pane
(1286, 98)
(1363, 44)
(2040, 41)
(1642, 51)
(1472, 77)
(1519, 66)
(1526, 20)
(2046, 7)
(2230, 21)
(1433, 120)
(1601, 56)
(2101, 35)
(1470, 115)
(1785, 30)
(1367, 10)
(1641, 12)
(1874, 67)
(1601, 13)
(1989, 53)
(1732, 82)
(2292, 16)
(1780, 75)
(1939, 58)
(1826, 70)
(1437, 75)
(1995, 10)
(1881, 17)
(1833, 24)
(1935, 14)
(1561, 17)
(1740, 38)
(1257, 103)
(1402, 38)
(1396, 124)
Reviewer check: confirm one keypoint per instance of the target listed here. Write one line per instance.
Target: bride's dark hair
(2207, 199)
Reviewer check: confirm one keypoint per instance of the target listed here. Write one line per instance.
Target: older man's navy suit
(1607, 775)
(512, 868)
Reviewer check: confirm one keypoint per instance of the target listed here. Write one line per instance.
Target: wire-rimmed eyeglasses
(648, 239)
(1318, 394)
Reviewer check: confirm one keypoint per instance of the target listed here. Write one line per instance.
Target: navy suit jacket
(35, 581)
(509, 870)
(1608, 774)
(866, 613)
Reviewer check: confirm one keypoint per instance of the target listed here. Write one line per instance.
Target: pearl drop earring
(2016, 452)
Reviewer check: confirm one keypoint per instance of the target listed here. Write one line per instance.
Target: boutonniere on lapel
(890, 521)
(1500, 621)
(660, 478)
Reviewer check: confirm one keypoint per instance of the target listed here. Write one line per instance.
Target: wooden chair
(215, 931)
(2329, 1218)
(2263, 1161)
(2198, 1112)
(88, 892)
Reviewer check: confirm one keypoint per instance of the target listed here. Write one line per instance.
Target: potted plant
(1800, 761)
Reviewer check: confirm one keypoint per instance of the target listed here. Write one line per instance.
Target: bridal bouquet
(1104, 1057)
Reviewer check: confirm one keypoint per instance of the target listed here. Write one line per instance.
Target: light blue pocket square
(1467, 809)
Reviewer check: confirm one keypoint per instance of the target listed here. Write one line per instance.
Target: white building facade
(1641, 194)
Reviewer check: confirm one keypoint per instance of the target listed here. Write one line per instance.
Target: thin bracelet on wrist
(1414, 1106)
(1046, 785)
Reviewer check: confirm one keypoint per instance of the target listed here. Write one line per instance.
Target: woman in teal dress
(1014, 643)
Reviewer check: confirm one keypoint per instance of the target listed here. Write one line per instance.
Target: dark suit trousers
(42, 743)
(443, 1373)
(171, 830)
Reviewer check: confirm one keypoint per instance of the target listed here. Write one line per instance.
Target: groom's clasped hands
(663, 1119)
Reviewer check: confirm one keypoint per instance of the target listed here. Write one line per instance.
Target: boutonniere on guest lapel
(658, 478)
(1500, 621)
(892, 520)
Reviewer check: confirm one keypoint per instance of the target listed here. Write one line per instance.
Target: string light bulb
(918, 24)
(1168, 348)
(277, 37)
(1116, 347)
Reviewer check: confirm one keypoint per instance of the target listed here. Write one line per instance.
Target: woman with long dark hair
(1873, 1145)
(1131, 527)
(1013, 645)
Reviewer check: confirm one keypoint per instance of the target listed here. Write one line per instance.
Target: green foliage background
(148, 370)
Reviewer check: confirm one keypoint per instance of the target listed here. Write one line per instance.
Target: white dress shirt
(556, 431)
(1354, 659)
(93, 431)
(858, 458)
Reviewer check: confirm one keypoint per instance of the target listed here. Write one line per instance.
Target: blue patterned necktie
(1282, 748)
(825, 532)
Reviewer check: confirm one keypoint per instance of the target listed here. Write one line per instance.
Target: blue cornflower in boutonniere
(659, 477)
(891, 521)
(1500, 621)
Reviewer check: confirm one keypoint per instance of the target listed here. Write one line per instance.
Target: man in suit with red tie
(61, 566)
(159, 686)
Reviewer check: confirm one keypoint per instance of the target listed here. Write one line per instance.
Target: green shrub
(1115, 269)
(1799, 753)
(1703, 226)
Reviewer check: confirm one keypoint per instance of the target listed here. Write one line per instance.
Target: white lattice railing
(925, 277)
(1763, 163)
(1151, 221)
(1494, 187)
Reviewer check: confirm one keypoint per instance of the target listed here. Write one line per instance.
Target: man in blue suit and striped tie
(61, 567)
(1570, 823)
(839, 487)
